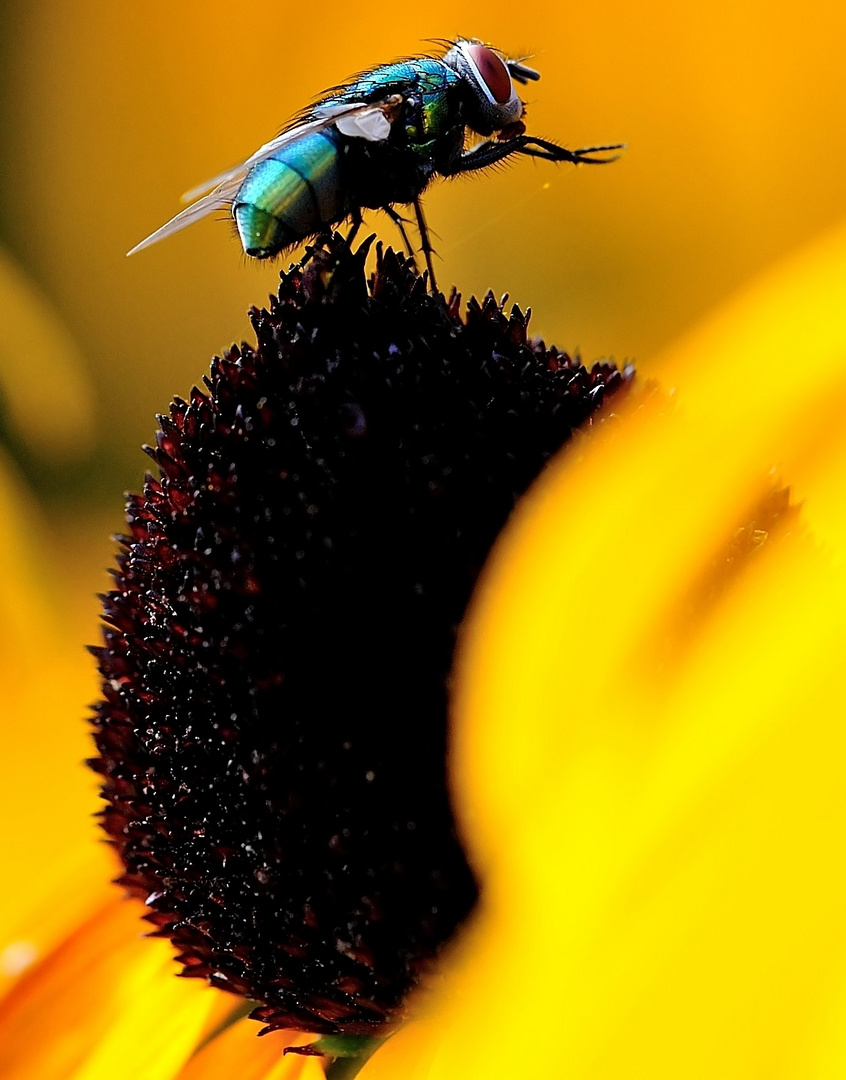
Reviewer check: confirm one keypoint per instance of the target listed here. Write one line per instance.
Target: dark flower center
(273, 728)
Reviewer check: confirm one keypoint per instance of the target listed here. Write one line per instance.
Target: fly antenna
(521, 72)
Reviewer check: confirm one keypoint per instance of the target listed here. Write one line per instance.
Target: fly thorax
(491, 100)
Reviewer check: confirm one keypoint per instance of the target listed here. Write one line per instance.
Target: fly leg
(400, 223)
(488, 153)
(356, 225)
(324, 239)
(425, 245)
(321, 239)
(550, 152)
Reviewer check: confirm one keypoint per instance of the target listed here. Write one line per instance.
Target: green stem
(344, 1068)
(354, 1052)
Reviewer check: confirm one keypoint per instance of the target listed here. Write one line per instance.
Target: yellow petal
(651, 748)
(240, 1052)
(105, 1004)
(53, 870)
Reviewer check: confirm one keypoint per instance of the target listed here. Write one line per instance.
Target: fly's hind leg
(400, 223)
(357, 221)
(321, 239)
(426, 246)
(324, 239)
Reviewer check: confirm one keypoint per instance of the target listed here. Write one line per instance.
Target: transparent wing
(370, 120)
(237, 172)
(215, 200)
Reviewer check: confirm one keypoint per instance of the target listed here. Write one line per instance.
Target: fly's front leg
(492, 151)
(550, 152)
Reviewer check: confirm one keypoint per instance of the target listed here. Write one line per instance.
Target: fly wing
(238, 172)
(371, 124)
(215, 200)
(367, 120)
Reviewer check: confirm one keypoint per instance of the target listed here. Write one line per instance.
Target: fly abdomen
(292, 195)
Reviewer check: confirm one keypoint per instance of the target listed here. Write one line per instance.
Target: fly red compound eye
(492, 72)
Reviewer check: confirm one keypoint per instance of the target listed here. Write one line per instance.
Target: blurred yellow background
(733, 115)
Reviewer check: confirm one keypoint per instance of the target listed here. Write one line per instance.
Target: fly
(377, 141)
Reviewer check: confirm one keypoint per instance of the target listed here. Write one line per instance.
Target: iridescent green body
(293, 194)
(317, 179)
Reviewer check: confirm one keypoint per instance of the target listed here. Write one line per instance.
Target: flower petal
(104, 1004)
(650, 753)
(239, 1053)
(45, 682)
